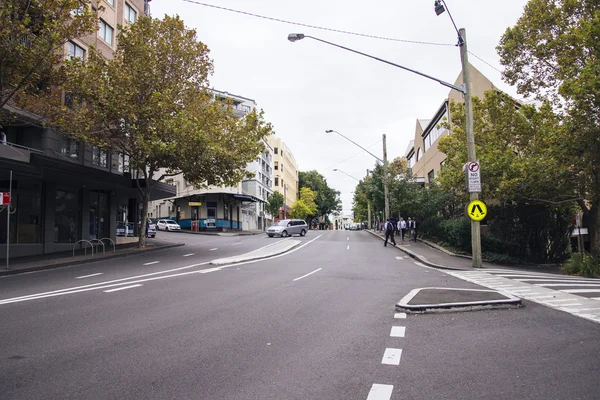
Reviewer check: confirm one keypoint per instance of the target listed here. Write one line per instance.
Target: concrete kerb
(507, 301)
(419, 257)
(73, 263)
(271, 250)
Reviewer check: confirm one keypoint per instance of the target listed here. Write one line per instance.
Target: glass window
(276, 181)
(70, 148)
(66, 217)
(123, 163)
(430, 176)
(275, 150)
(419, 154)
(25, 211)
(106, 32)
(111, 2)
(99, 157)
(98, 217)
(73, 50)
(130, 14)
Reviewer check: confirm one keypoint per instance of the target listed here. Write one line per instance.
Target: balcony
(16, 152)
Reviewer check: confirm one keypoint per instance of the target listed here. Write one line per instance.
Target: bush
(456, 232)
(585, 265)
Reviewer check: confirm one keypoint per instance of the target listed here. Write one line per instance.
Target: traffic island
(275, 249)
(437, 299)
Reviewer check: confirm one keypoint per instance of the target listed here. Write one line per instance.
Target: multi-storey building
(217, 208)
(64, 191)
(422, 154)
(285, 173)
(261, 187)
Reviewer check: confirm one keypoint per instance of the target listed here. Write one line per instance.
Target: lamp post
(386, 193)
(440, 7)
(465, 89)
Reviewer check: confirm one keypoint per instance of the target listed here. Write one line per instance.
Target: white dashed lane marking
(216, 248)
(391, 356)
(122, 288)
(380, 392)
(187, 255)
(348, 248)
(153, 262)
(398, 331)
(310, 273)
(89, 276)
(400, 315)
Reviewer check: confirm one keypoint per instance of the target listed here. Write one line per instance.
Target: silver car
(288, 227)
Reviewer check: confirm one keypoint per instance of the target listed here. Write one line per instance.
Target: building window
(419, 154)
(98, 216)
(73, 50)
(66, 218)
(99, 157)
(430, 176)
(276, 181)
(276, 165)
(411, 161)
(275, 150)
(130, 14)
(111, 2)
(281, 167)
(70, 148)
(123, 163)
(106, 32)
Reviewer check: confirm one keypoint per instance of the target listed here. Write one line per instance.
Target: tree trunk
(594, 228)
(145, 197)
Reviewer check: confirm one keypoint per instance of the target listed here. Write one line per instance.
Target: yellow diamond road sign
(477, 210)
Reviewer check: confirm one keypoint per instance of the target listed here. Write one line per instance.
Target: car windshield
(283, 222)
(171, 222)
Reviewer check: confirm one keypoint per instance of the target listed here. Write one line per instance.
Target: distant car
(288, 227)
(167, 225)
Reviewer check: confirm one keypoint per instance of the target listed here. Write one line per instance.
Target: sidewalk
(436, 256)
(226, 233)
(49, 261)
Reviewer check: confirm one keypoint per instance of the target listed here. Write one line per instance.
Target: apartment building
(261, 187)
(285, 173)
(219, 208)
(65, 191)
(422, 154)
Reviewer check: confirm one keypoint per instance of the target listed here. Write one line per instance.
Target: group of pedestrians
(400, 228)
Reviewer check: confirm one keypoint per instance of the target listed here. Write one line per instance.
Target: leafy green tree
(151, 103)
(553, 52)
(305, 206)
(327, 199)
(274, 203)
(32, 35)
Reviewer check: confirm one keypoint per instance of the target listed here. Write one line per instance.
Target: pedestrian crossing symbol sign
(477, 210)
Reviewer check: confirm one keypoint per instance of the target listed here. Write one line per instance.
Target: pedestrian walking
(415, 224)
(389, 233)
(402, 224)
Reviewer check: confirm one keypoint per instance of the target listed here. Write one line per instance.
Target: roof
(411, 147)
(423, 123)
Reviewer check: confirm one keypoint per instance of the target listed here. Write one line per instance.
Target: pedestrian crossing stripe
(477, 210)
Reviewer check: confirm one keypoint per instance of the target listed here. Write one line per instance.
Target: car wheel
(303, 232)
(284, 234)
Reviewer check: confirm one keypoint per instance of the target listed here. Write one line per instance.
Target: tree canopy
(305, 206)
(327, 199)
(553, 53)
(32, 35)
(274, 203)
(151, 102)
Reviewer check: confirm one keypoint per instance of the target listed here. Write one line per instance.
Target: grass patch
(582, 265)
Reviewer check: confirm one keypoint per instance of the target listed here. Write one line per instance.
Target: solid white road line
(391, 356)
(122, 288)
(400, 315)
(89, 276)
(595, 298)
(216, 248)
(236, 243)
(398, 331)
(573, 291)
(310, 273)
(380, 392)
(187, 255)
(153, 262)
(568, 284)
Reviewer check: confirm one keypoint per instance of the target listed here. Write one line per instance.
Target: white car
(167, 225)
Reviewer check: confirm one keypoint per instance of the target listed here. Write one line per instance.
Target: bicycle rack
(85, 248)
(112, 241)
(99, 241)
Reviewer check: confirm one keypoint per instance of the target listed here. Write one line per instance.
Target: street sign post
(477, 210)
(473, 173)
(4, 198)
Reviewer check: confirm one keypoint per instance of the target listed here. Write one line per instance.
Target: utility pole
(475, 228)
(385, 180)
(369, 225)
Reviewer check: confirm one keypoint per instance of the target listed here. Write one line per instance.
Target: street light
(440, 7)
(339, 170)
(386, 192)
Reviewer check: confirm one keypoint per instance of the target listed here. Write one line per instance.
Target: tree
(327, 199)
(32, 35)
(151, 103)
(553, 52)
(305, 206)
(274, 203)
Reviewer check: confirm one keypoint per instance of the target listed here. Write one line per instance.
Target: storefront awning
(245, 197)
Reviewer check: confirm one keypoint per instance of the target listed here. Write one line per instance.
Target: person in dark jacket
(389, 233)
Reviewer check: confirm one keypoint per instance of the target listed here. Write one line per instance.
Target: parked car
(167, 225)
(288, 227)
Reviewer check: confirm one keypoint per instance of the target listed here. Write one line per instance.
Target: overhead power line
(316, 26)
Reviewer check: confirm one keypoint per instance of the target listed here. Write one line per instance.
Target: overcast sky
(307, 87)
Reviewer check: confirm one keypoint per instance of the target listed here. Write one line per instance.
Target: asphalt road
(316, 323)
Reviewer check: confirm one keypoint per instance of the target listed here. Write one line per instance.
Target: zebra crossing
(585, 287)
(574, 295)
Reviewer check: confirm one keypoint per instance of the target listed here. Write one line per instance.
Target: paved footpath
(561, 296)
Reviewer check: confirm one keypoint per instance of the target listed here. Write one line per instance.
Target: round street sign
(477, 210)
(473, 166)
